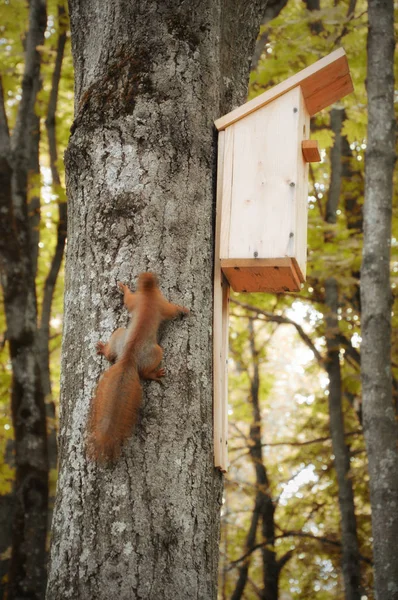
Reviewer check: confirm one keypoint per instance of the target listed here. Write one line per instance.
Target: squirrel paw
(159, 374)
(100, 348)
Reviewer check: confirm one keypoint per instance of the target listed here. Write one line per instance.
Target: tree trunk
(51, 279)
(243, 573)
(150, 79)
(379, 418)
(349, 537)
(43, 342)
(7, 502)
(264, 509)
(18, 243)
(266, 505)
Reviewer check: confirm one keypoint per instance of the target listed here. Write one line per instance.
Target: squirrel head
(147, 281)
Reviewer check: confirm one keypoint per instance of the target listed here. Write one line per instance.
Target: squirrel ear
(147, 281)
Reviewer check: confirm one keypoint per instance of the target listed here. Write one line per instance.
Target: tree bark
(380, 426)
(18, 258)
(349, 537)
(6, 516)
(150, 79)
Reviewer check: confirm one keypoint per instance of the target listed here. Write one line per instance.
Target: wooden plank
(219, 325)
(263, 275)
(224, 365)
(310, 151)
(323, 83)
(224, 195)
(265, 169)
(301, 207)
(298, 271)
(317, 98)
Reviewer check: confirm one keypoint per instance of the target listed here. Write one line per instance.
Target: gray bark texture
(379, 419)
(150, 79)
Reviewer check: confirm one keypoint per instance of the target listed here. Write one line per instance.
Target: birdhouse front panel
(264, 197)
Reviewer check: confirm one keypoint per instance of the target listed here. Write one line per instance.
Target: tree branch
(322, 539)
(299, 534)
(306, 443)
(285, 320)
(284, 559)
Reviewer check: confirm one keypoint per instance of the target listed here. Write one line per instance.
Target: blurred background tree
(35, 116)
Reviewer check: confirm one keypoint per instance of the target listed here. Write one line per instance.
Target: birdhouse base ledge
(273, 275)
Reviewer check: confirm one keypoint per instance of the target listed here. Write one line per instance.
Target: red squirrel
(136, 353)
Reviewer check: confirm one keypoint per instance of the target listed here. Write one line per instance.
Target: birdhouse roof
(322, 83)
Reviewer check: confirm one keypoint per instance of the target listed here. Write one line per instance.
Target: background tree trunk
(43, 344)
(379, 418)
(264, 508)
(349, 537)
(264, 498)
(19, 169)
(150, 79)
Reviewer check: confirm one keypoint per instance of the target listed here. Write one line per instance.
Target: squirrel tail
(114, 410)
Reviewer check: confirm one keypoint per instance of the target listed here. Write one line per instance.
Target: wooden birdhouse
(262, 196)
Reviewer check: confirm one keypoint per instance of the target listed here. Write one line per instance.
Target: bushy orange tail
(114, 410)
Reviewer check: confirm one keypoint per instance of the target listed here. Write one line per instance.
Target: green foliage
(294, 404)
(13, 21)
